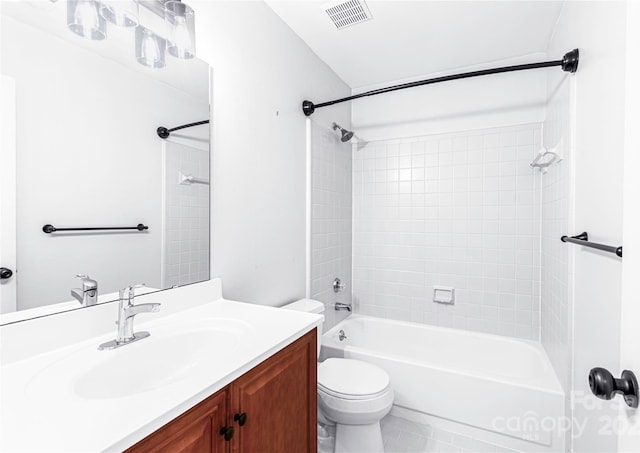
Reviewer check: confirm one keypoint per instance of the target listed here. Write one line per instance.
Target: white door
(628, 421)
(8, 277)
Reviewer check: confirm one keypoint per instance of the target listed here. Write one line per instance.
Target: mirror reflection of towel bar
(48, 228)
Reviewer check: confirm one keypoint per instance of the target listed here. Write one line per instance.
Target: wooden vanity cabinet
(194, 431)
(269, 409)
(279, 398)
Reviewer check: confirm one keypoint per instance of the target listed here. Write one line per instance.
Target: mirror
(84, 119)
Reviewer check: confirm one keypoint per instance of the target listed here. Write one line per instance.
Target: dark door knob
(605, 386)
(227, 432)
(240, 418)
(5, 273)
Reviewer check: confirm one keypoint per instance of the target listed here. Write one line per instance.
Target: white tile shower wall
(555, 309)
(186, 216)
(331, 199)
(459, 210)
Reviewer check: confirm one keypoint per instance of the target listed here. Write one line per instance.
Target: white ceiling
(412, 38)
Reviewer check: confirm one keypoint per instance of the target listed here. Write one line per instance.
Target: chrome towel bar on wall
(51, 229)
(583, 239)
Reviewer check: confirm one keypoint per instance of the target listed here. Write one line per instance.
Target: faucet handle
(88, 284)
(129, 292)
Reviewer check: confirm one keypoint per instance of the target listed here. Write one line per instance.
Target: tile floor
(404, 436)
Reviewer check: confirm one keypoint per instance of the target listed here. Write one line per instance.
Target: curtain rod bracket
(163, 132)
(569, 63)
(308, 108)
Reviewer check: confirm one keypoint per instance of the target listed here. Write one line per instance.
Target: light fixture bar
(155, 6)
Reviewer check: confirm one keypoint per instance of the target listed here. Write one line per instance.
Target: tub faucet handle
(338, 285)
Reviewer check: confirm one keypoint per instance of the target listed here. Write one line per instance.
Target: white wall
(76, 169)
(556, 221)
(597, 124)
(331, 214)
(262, 73)
(556, 288)
(476, 103)
(630, 334)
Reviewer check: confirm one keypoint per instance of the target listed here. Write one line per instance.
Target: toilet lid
(351, 378)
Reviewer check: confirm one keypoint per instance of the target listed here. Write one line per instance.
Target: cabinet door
(195, 431)
(279, 399)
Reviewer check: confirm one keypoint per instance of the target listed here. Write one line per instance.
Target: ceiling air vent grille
(344, 14)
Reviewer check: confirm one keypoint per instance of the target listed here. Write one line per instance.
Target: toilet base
(359, 438)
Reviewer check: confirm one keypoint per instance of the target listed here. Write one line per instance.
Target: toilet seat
(352, 379)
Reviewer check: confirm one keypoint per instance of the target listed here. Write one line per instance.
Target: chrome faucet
(88, 293)
(341, 306)
(126, 312)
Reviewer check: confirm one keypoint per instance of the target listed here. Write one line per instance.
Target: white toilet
(353, 394)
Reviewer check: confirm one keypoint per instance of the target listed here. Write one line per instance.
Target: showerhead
(346, 135)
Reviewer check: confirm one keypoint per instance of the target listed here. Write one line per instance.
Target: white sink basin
(153, 364)
(168, 356)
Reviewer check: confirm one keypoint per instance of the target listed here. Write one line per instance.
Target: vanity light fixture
(88, 18)
(180, 22)
(150, 48)
(84, 19)
(123, 13)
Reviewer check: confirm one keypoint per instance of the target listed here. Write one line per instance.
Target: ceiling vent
(344, 14)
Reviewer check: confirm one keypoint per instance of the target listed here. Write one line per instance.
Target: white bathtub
(499, 385)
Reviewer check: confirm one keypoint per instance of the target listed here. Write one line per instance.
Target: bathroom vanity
(271, 408)
(213, 376)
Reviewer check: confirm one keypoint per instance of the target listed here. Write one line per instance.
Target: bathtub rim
(555, 389)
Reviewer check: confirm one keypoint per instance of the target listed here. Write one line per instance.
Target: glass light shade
(150, 48)
(180, 22)
(123, 13)
(84, 19)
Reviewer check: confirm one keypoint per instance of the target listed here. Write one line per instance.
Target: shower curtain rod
(163, 132)
(569, 63)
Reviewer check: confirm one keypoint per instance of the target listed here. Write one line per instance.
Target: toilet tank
(310, 306)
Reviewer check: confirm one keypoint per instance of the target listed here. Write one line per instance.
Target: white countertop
(51, 417)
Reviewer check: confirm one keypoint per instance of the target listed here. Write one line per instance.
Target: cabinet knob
(240, 418)
(227, 432)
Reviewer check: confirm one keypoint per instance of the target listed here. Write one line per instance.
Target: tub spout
(341, 306)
